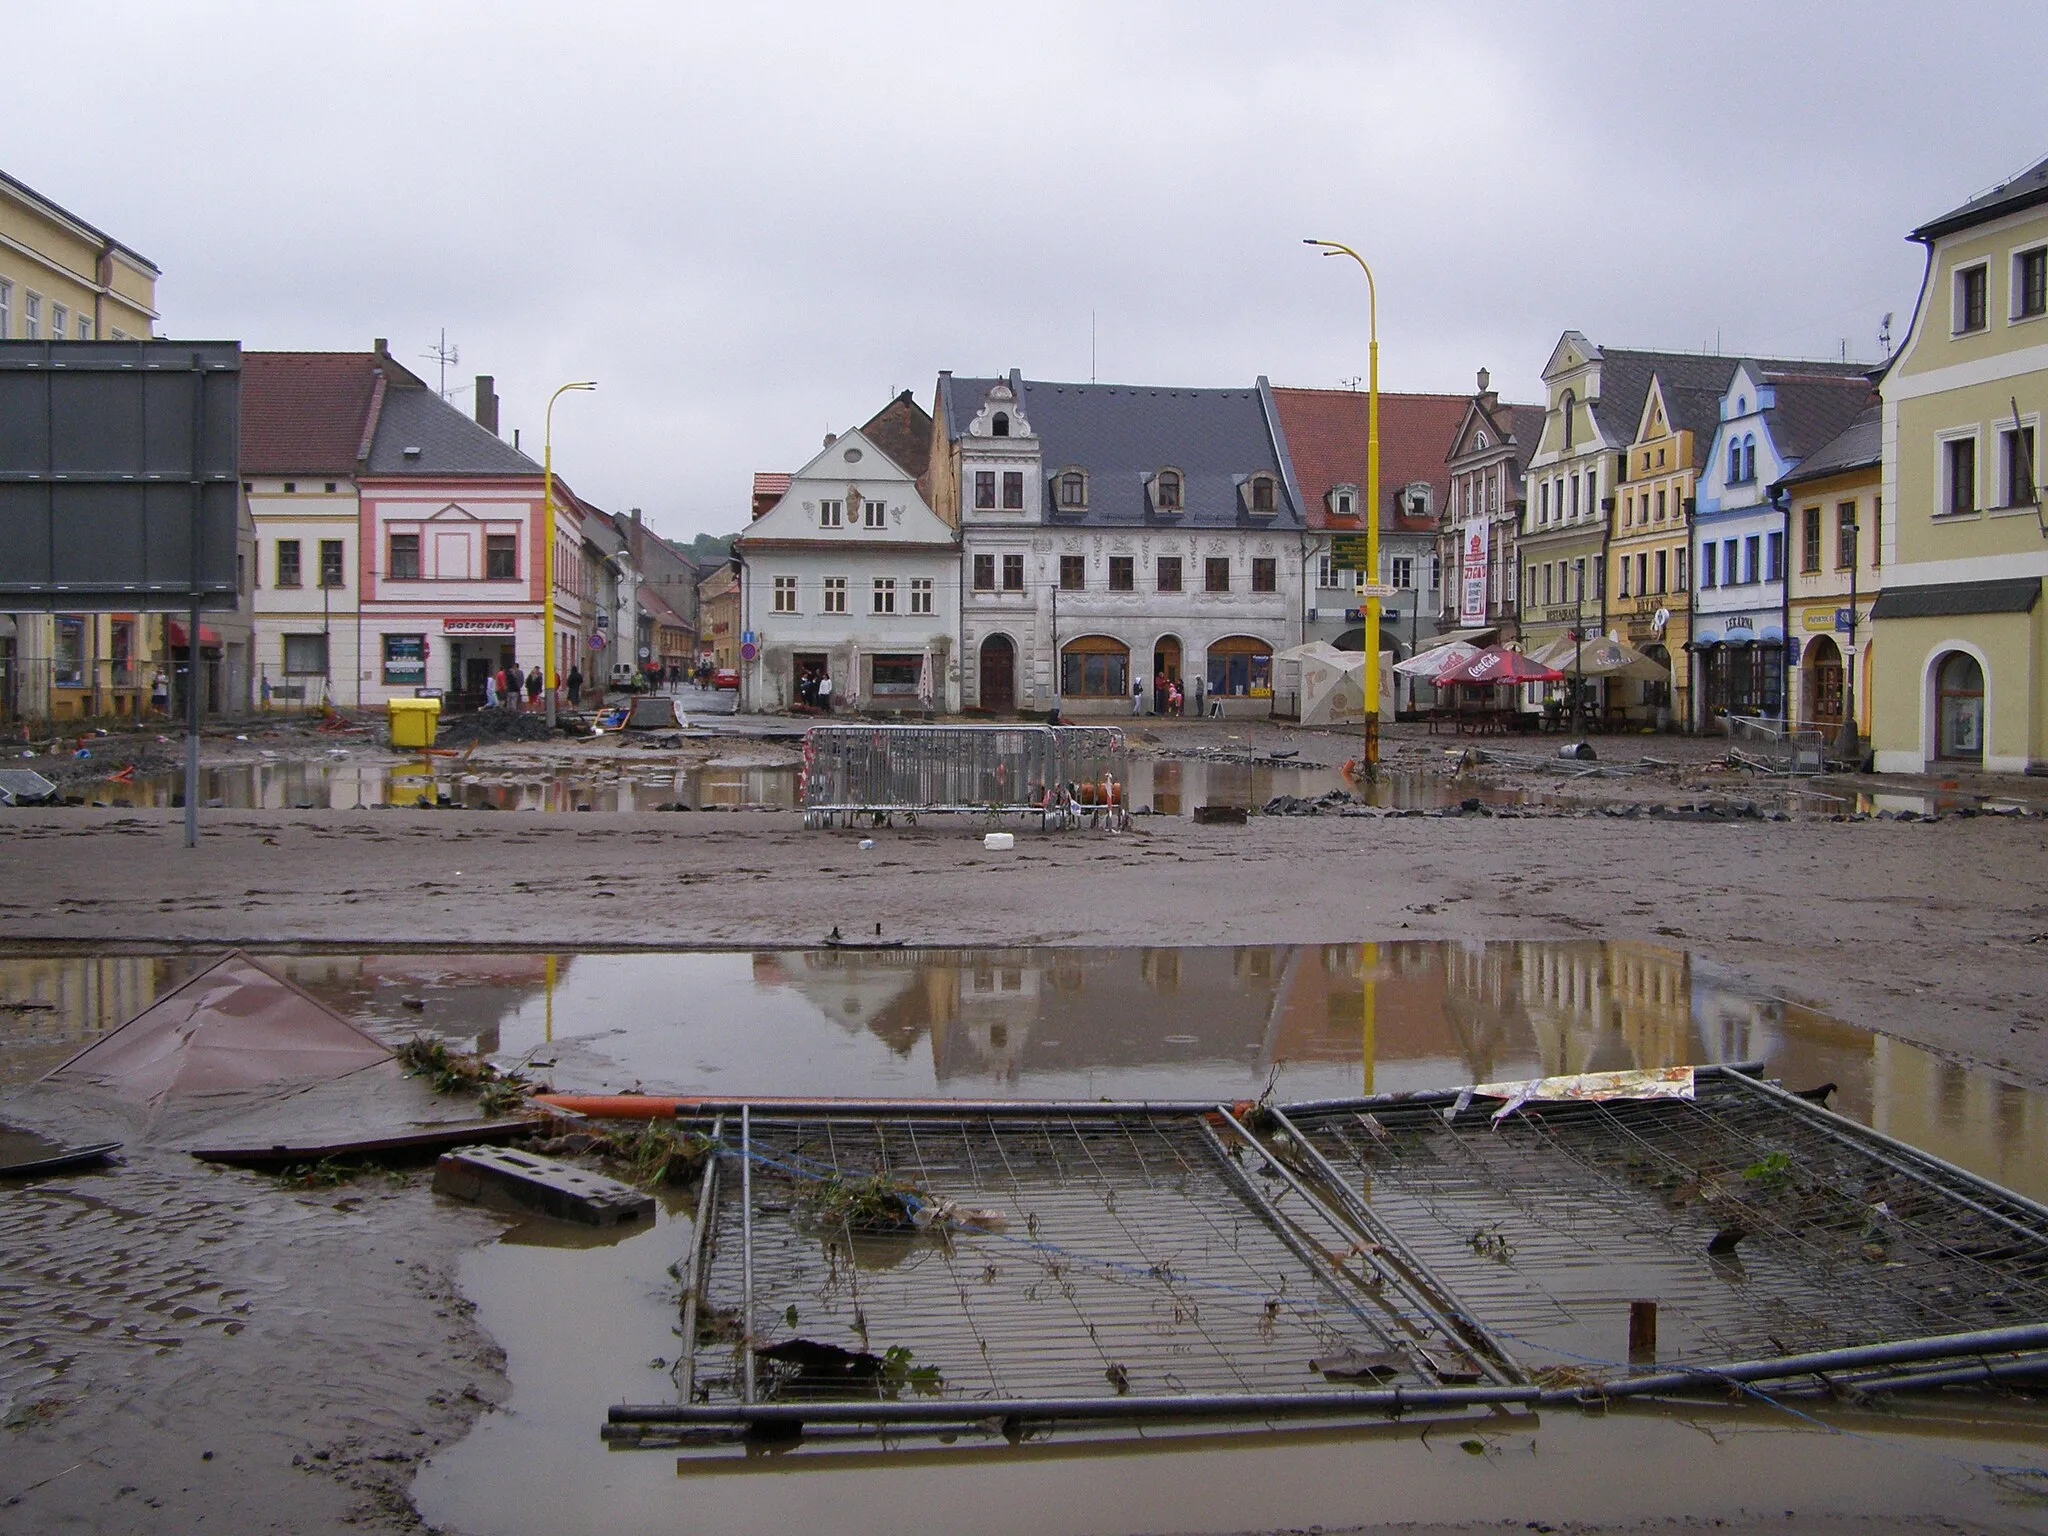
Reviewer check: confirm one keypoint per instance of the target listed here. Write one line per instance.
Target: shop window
(331, 572)
(1073, 573)
(1169, 573)
(305, 655)
(984, 573)
(1959, 705)
(288, 562)
(1095, 667)
(1240, 667)
(1013, 573)
(896, 677)
(1122, 574)
(404, 561)
(405, 661)
(1266, 574)
(67, 667)
(1216, 574)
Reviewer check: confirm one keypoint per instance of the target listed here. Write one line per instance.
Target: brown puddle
(586, 1325)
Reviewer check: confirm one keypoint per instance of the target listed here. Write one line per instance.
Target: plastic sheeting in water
(234, 1026)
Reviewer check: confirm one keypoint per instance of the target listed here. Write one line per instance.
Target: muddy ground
(231, 1354)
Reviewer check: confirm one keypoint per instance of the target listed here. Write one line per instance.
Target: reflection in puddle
(1313, 1021)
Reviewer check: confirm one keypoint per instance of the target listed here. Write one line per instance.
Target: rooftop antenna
(443, 354)
(1884, 334)
(1091, 346)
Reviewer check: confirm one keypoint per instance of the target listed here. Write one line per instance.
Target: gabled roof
(772, 483)
(902, 430)
(449, 442)
(1625, 383)
(1123, 434)
(305, 412)
(1811, 409)
(1857, 446)
(2029, 189)
(1326, 437)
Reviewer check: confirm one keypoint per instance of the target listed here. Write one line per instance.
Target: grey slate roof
(1526, 422)
(1857, 446)
(2025, 190)
(1122, 434)
(1625, 384)
(2013, 594)
(449, 442)
(1812, 408)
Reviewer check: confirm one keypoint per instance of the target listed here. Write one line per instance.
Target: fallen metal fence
(1335, 1260)
(1065, 776)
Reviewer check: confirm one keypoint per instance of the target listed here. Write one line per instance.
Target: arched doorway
(998, 674)
(1959, 708)
(1821, 697)
(1166, 665)
(1095, 667)
(1240, 666)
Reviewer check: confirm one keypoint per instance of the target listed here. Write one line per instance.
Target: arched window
(1959, 707)
(1734, 462)
(1571, 426)
(1166, 490)
(1073, 489)
(1000, 427)
(1748, 456)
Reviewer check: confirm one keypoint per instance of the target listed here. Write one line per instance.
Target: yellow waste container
(414, 721)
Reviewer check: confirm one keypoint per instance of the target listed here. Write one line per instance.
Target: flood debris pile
(490, 726)
(1567, 1241)
(497, 1090)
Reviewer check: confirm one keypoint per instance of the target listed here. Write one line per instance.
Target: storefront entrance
(998, 691)
(806, 670)
(1959, 708)
(1821, 697)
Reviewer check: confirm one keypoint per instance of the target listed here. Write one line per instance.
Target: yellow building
(1835, 500)
(1649, 582)
(63, 280)
(1960, 626)
(718, 617)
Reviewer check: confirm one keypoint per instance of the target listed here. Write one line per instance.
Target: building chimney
(382, 347)
(487, 403)
(638, 542)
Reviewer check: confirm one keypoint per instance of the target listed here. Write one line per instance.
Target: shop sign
(478, 626)
(1472, 587)
(405, 660)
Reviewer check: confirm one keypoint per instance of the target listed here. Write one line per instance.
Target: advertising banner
(1472, 573)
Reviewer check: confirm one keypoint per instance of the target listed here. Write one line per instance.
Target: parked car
(726, 677)
(626, 677)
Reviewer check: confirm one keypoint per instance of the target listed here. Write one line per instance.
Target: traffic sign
(1348, 552)
(748, 650)
(1378, 589)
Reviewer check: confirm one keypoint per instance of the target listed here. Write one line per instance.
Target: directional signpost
(1351, 552)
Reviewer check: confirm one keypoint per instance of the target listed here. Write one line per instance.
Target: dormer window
(1000, 427)
(1263, 494)
(1343, 501)
(1074, 490)
(1166, 491)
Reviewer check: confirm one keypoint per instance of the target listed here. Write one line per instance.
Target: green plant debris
(1491, 1242)
(898, 1374)
(1770, 1173)
(328, 1173)
(459, 1072)
(874, 1202)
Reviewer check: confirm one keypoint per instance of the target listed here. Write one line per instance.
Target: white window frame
(31, 315)
(1943, 500)
(1402, 569)
(835, 594)
(6, 308)
(785, 595)
(2004, 429)
(60, 321)
(920, 594)
(874, 514)
(884, 595)
(1955, 297)
(2012, 282)
(1326, 572)
(84, 326)
(831, 514)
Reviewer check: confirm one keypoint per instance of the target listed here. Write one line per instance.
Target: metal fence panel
(1060, 773)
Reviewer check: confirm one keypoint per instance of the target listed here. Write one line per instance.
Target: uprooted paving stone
(493, 725)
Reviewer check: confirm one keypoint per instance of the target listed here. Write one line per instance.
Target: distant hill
(706, 550)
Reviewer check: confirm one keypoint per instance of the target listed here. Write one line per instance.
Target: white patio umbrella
(1427, 664)
(1601, 657)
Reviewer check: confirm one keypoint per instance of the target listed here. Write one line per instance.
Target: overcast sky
(751, 223)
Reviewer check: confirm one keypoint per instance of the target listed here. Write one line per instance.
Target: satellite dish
(1659, 620)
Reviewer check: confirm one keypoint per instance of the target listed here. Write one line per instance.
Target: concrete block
(508, 1180)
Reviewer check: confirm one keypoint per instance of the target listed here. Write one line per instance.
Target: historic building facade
(1961, 629)
(1148, 534)
(1479, 596)
(1835, 500)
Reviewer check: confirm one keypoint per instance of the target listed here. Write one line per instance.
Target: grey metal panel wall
(120, 474)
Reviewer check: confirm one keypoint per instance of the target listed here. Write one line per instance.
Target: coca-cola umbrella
(1497, 664)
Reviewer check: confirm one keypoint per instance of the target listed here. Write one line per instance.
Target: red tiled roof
(1326, 439)
(768, 482)
(305, 411)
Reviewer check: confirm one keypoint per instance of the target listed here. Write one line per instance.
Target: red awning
(209, 637)
(1497, 664)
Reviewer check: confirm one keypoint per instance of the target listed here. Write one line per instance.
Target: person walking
(491, 689)
(514, 681)
(574, 681)
(160, 692)
(534, 681)
(1138, 696)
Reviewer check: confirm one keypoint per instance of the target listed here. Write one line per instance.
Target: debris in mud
(492, 725)
(807, 1368)
(504, 1179)
(871, 1203)
(454, 1072)
(1354, 1364)
(647, 1155)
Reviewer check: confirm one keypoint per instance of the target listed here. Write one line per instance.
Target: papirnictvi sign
(478, 626)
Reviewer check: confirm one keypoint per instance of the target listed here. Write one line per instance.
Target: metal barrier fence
(1066, 775)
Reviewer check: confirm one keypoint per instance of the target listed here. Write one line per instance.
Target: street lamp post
(1847, 747)
(1372, 500)
(547, 623)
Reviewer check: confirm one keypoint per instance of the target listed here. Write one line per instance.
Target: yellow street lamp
(547, 623)
(1372, 502)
